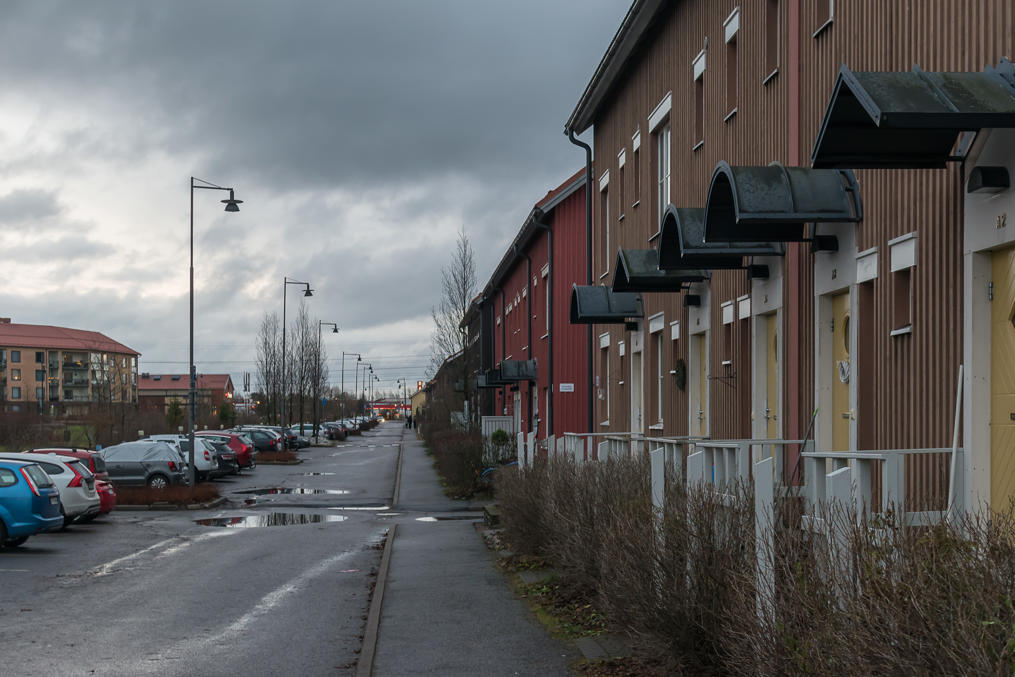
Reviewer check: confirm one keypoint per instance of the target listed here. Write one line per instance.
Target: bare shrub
(459, 457)
(177, 495)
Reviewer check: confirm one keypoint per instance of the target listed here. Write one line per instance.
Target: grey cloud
(28, 205)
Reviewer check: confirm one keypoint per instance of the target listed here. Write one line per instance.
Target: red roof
(44, 336)
(559, 189)
(182, 382)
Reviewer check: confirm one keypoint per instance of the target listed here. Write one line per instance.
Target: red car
(93, 461)
(244, 450)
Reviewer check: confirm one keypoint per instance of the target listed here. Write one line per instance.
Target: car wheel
(3, 535)
(158, 482)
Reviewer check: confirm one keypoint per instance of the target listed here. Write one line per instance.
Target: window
(698, 69)
(771, 38)
(39, 394)
(732, 28)
(15, 356)
(40, 375)
(659, 375)
(15, 374)
(7, 477)
(546, 285)
(15, 393)
(663, 171)
(903, 260)
(621, 166)
(604, 211)
(824, 15)
(603, 379)
(636, 167)
(40, 357)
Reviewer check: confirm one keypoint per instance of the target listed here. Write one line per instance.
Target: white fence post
(657, 460)
(531, 443)
(520, 437)
(764, 537)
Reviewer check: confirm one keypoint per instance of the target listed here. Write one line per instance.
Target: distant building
(67, 369)
(156, 391)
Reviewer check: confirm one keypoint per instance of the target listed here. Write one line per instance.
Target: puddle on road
(447, 518)
(311, 474)
(305, 491)
(360, 507)
(271, 519)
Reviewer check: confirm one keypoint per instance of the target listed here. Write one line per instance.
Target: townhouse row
(798, 227)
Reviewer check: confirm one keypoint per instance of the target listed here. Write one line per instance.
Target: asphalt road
(159, 593)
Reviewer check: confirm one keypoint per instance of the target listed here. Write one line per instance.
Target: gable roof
(633, 28)
(46, 336)
(182, 382)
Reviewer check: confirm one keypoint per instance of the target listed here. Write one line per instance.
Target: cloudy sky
(362, 135)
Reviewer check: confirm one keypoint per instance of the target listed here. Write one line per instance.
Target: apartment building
(43, 366)
(156, 391)
(800, 226)
(532, 363)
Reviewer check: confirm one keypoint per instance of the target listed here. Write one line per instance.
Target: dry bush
(459, 457)
(877, 599)
(177, 495)
(269, 457)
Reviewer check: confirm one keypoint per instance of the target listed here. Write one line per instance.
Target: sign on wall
(567, 387)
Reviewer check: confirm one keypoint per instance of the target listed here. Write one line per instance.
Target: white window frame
(663, 170)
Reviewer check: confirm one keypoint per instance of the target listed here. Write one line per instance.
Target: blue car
(29, 502)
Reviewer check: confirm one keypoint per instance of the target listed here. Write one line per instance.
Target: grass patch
(566, 609)
(631, 666)
(176, 495)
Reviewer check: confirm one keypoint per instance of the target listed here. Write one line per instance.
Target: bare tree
(458, 288)
(268, 346)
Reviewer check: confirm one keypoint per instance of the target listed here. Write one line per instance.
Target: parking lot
(277, 580)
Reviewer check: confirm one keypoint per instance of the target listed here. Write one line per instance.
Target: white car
(205, 460)
(78, 498)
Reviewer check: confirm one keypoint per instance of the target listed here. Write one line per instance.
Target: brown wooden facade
(770, 110)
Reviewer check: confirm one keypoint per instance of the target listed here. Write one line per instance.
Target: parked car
(333, 430)
(242, 445)
(91, 459)
(205, 463)
(145, 462)
(78, 498)
(263, 440)
(226, 457)
(107, 496)
(94, 462)
(29, 502)
(302, 438)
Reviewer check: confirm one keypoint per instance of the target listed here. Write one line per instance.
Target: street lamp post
(232, 205)
(307, 292)
(317, 370)
(365, 365)
(358, 359)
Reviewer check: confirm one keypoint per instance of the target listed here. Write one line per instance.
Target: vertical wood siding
(914, 376)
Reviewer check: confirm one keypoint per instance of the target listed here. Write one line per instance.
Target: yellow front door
(1002, 381)
(841, 371)
(772, 377)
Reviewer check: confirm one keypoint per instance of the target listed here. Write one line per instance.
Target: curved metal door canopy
(592, 304)
(638, 271)
(901, 120)
(774, 203)
(682, 244)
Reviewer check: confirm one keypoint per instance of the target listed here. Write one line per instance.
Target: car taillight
(207, 457)
(31, 484)
(76, 482)
(172, 465)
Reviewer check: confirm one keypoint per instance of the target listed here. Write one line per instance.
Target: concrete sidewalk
(447, 610)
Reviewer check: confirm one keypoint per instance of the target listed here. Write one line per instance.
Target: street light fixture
(317, 369)
(306, 292)
(232, 205)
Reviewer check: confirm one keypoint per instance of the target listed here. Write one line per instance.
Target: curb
(170, 506)
(296, 462)
(398, 473)
(365, 665)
